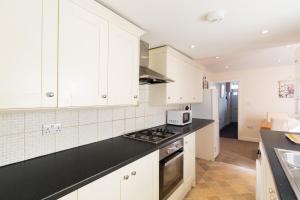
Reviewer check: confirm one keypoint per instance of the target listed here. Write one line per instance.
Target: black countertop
(55, 175)
(275, 139)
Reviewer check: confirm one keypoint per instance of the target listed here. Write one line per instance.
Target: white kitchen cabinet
(71, 196)
(28, 53)
(123, 68)
(189, 173)
(265, 188)
(138, 179)
(207, 142)
(83, 51)
(187, 76)
(135, 180)
(107, 187)
(99, 56)
(66, 53)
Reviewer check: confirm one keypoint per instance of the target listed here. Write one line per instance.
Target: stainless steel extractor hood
(147, 75)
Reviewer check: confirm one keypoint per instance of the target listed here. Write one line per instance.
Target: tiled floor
(223, 181)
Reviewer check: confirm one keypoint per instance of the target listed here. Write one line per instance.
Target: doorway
(228, 109)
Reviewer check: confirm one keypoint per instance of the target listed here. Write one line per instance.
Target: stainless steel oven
(170, 169)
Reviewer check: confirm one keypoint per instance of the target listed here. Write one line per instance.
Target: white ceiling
(180, 23)
(267, 57)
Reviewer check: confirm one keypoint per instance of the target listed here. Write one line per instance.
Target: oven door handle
(173, 159)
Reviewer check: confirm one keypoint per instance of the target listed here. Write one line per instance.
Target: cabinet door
(197, 85)
(137, 180)
(71, 196)
(123, 67)
(189, 159)
(28, 53)
(83, 47)
(107, 187)
(174, 72)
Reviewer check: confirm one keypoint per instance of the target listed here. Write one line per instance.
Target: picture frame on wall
(286, 89)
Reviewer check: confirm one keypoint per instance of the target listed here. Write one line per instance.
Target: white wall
(258, 94)
(21, 135)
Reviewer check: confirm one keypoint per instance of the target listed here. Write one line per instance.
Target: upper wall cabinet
(187, 76)
(66, 53)
(83, 51)
(123, 67)
(98, 56)
(28, 53)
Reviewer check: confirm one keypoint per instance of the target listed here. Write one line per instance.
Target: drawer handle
(133, 173)
(126, 177)
(103, 96)
(135, 97)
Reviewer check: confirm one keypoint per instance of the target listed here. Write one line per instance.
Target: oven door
(170, 174)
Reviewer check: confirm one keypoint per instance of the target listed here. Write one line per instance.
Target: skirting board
(249, 139)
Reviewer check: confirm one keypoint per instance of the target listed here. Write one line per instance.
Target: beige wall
(258, 94)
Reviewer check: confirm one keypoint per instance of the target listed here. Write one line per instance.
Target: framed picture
(286, 89)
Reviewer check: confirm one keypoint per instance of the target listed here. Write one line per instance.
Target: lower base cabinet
(136, 180)
(265, 185)
(140, 179)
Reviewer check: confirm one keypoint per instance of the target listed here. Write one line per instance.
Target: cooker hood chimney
(147, 75)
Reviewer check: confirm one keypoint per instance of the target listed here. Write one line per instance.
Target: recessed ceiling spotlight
(264, 31)
(278, 60)
(288, 46)
(216, 15)
(193, 46)
(217, 57)
(226, 67)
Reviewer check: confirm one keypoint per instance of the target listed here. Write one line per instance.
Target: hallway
(230, 131)
(230, 177)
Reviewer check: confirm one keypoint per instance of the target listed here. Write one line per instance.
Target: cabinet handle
(186, 142)
(133, 173)
(104, 96)
(126, 177)
(180, 97)
(169, 97)
(135, 97)
(50, 94)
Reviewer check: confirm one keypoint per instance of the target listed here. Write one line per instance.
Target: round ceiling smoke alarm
(216, 16)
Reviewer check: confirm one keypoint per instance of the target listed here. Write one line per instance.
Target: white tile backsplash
(130, 112)
(118, 128)
(140, 123)
(140, 110)
(11, 123)
(67, 118)
(105, 115)
(129, 125)
(37, 144)
(118, 113)
(89, 116)
(34, 120)
(88, 134)
(68, 138)
(105, 130)
(11, 149)
(21, 132)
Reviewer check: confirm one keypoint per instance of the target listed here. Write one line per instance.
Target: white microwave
(179, 117)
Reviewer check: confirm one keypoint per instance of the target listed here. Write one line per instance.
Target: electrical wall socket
(51, 128)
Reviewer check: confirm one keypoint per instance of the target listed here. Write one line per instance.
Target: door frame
(239, 101)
